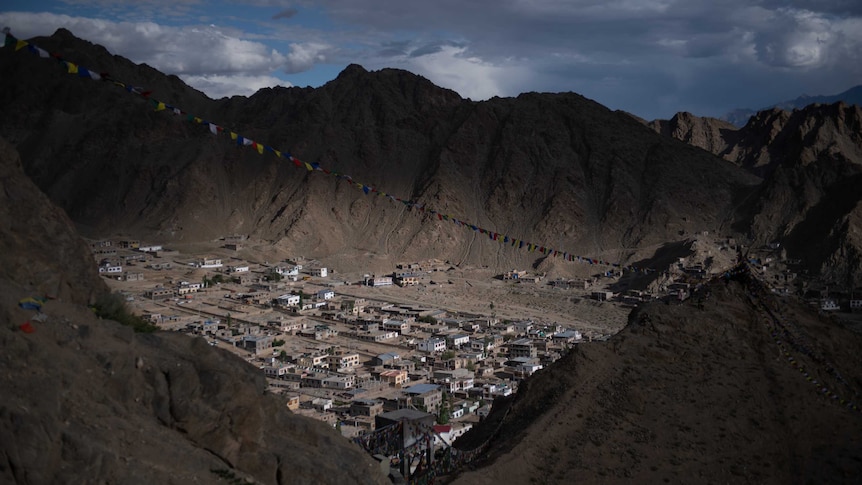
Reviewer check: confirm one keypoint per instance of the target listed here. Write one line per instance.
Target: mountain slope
(554, 169)
(684, 395)
(85, 398)
(811, 161)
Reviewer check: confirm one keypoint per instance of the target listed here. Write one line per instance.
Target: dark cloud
(287, 13)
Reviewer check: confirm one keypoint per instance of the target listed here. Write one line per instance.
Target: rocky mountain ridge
(556, 169)
(811, 163)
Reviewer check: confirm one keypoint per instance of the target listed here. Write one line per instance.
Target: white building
(432, 344)
(319, 272)
(288, 300)
(379, 281)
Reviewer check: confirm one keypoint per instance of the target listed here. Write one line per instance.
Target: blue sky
(652, 58)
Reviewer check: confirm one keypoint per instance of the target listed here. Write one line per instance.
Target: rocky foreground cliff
(86, 400)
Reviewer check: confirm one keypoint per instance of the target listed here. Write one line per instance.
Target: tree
(449, 354)
(443, 416)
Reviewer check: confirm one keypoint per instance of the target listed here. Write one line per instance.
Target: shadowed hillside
(85, 398)
(745, 390)
(557, 169)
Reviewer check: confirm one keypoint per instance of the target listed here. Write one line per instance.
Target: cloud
(218, 86)
(285, 14)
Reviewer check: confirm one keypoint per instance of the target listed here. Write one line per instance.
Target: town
(361, 351)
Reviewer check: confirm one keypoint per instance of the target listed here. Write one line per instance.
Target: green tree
(112, 306)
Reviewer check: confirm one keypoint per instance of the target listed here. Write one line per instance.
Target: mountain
(811, 162)
(556, 169)
(741, 390)
(85, 398)
(739, 117)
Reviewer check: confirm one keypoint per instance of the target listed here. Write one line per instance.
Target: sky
(652, 58)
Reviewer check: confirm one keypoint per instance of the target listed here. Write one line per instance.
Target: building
(394, 377)
(339, 382)
(160, 293)
(366, 407)
(288, 300)
(208, 262)
(458, 340)
(856, 305)
(425, 396)
(319, 272)
(385, 359)
(258, 344)
(514, 274)
(379, 281)
(399, 326)
(343, 361)
(522, 348)
(325, 294)
(432, 344)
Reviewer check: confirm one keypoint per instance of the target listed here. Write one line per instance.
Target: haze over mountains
(679, 392)
(739, 117)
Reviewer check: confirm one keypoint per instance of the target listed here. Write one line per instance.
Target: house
(160, 293)
(208, 262)
(153, 248)
(185, 288)
(454, 380)
(407, 278)
(385, 359)
(379, 281)
(432, 344)
(325, 294)
(399, 326)
(319, 272)
(855, 305)
(130, 244)
(258, 344)
(343, 360)
(602, 295)
(458, 340)
(829, 305)
(339, 382)
(110, 268)
(321, 404)
(567, 336)
(366, 407)
(293, 402)
(522, 348)
(238, 269)
(394, 377)
(514, 275)
(425, 396)
(315, 360)
(129, 276)
(289, 300)
(277, 370)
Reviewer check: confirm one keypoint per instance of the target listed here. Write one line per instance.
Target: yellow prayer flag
(73, 69)
(233, 136)
(259, 148)
(309, 167)
(160, 106)
(21, 44)
(277, 153)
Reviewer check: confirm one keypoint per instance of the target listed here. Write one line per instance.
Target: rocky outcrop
(711, 134)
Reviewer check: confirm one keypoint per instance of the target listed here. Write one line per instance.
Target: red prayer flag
(27, 327)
